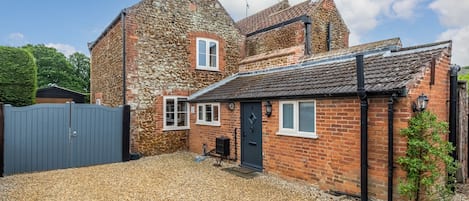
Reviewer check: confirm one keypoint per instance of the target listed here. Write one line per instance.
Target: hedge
(18, 76)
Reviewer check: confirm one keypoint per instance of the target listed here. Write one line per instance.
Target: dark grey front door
(251, 135)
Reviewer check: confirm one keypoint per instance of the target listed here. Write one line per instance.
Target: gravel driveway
(165, 177)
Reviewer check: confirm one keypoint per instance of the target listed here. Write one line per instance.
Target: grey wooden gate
(55, 136)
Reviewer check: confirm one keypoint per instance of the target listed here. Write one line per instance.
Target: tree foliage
(464, 76)
(18, 76)
(81, 66)
(426, 153)
(54, 68)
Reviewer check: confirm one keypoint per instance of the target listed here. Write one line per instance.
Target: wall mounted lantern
(421, 104)
(231, 105)
(268, 108)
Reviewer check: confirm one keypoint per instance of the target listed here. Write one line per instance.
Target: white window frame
(175, 127)
(204, 118)
(296, 123)
(207, 55)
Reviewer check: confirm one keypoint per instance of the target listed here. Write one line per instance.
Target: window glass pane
(215, 112)
(169, 105)
(182, 106)
(213, 48)
(307, 117)
(213, 61)
(202, 53)
(208, 113)
(170, 112)
(182, 120)
(202, 60)
(288, 116)
(201, 112)
(202, 46)
(169, 119)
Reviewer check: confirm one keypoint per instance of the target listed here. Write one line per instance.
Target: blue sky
(69, 25)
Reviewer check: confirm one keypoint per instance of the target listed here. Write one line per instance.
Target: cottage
(153, 56)
(303, 121)
(283, 86)
(157, 53)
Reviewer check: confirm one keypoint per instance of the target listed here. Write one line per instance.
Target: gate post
(126, 133)
(2, 138)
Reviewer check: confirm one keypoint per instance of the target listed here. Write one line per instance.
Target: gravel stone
(165, 177)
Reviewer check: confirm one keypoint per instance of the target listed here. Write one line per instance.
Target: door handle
(252, 143)
(74, 134)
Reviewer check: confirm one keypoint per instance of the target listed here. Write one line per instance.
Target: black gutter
(303, 18)
(453, 94)
(391, 101)
(308, 36)
(400, 93)
(363, 128)
(124, 73)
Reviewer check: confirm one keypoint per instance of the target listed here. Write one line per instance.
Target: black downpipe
(453, 113)
(236, 144)
(329, 37)
(308, 36)
(124, 73)
(363, 128)
(390, 145)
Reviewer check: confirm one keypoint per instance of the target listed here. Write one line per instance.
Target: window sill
(176, 128)
(207, 124)
(296, 134)
(213, 69)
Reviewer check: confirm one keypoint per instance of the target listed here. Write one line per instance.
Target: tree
(81, 66)
(18, 76)
(53, 68)
(464, 74)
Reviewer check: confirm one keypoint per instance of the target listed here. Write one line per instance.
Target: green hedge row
(18, 76)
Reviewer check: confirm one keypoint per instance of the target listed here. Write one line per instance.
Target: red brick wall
(333, 160)
(203, 134)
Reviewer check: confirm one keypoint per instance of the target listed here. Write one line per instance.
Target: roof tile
(386, 71)
(274, 15)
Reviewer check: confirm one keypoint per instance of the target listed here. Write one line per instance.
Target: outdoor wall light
(231, 106)
(421, 104)
(268, 108)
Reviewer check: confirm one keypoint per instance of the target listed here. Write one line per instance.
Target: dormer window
(207, 54)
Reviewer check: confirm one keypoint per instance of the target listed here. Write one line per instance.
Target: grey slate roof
(386, 71)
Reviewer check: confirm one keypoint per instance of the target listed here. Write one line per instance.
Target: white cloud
(16, 39)
(404, 9)
(66, 49)
(460, 37)
(361, 16)
(453, 15)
